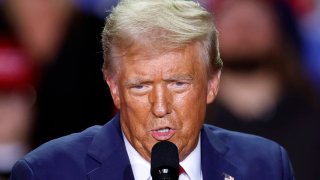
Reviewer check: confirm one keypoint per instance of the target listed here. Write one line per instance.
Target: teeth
(163, 130)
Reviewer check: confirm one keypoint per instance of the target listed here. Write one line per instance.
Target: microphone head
(164, 161)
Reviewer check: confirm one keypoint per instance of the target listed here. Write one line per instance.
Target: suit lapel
(108, 159)
(214, 164)
(107, 156)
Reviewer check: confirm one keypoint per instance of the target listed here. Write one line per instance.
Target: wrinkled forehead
(175, 61)
(146, 44)
(141, 50)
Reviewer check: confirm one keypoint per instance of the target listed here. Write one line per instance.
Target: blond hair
(159, 26)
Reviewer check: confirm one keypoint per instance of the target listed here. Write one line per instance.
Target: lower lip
(162, 136)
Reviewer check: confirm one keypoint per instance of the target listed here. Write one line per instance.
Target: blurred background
(51, 84)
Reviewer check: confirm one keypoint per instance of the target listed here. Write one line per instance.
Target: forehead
(179, 60)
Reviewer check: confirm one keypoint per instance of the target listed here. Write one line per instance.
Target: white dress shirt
(141, 167)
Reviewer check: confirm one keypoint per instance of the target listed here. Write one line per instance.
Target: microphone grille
(164, 154)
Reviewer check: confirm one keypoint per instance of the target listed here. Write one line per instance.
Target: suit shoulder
(68, 148)
(251, 154)
(240, 140)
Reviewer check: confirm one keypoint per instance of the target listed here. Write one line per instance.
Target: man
(17, 97)
(162, 66)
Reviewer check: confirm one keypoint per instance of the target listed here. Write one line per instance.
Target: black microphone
(164, 161)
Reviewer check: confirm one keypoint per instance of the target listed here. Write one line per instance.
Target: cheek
(138, 106)
(136, 112)
(191, 113)
(192, 103)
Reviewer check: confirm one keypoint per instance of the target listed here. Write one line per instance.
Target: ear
(213, 87)
(114, 90)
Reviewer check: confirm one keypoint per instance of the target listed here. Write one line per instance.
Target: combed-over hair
(159, 26)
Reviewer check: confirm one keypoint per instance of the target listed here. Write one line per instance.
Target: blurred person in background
(17, 97)
(64, 42)
(263, 89)
(99, 8)
(307, 12)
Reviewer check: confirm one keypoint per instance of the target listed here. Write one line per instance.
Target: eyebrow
(135, 81)
(178, 77)
(174, 77)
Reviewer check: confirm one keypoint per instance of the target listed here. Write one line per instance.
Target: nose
(160, 100)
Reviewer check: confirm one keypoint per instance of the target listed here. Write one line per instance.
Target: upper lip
(163, 127)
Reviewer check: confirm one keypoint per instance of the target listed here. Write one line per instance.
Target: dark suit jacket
(99, 153)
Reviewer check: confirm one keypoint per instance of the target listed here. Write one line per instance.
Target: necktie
(181, 170)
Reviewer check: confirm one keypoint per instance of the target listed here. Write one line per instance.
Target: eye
(179, 86)
(139, 89)
(180, 83)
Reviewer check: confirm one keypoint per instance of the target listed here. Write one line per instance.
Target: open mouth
(163, 133)
(164, 130)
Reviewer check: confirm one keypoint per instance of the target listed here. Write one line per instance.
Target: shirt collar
(141, 167)
(192, 163)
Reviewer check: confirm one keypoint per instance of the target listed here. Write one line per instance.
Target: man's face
(163, 97)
